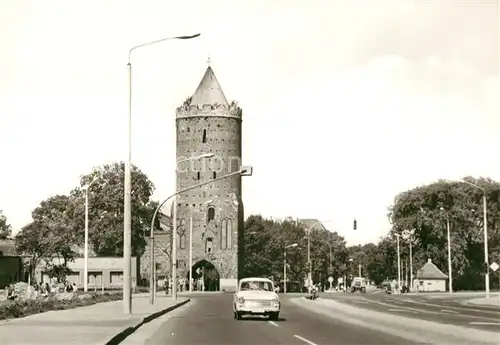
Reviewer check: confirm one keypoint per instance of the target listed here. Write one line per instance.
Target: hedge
(21, 308)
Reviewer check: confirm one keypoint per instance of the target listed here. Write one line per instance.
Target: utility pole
(450, 281)
(399, 265)
(411, 266)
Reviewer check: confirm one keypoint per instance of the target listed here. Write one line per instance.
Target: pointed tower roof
(209, 91)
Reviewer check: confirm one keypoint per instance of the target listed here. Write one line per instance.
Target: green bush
(21, 308)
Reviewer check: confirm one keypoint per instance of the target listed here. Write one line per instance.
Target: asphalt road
(208, 320)
(443, 310)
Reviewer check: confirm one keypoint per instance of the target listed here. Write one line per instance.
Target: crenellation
(209, 110)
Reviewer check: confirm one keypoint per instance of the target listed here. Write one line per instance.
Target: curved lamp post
(152, 269)
(127, 200)
(309, 264)
(450, 285)
(86, 244)
(284, 264)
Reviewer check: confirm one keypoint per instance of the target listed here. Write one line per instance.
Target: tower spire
(209, 61)
(209, 91)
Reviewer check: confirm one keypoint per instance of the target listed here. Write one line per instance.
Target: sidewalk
(93, 325)
(493, 301)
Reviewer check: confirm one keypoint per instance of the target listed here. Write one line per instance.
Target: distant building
(430, 278)
(103, 272)
(7, 247)
(11, 265)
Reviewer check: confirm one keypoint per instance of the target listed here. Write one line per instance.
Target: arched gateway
(206, 277)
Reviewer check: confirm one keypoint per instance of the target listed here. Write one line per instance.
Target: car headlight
(241, 300)
(276, 300)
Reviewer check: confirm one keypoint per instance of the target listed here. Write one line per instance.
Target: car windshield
(256, 285)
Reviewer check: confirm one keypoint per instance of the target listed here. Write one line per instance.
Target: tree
(257, 234)
(321, 240)
(5, 228)
(265, 243)
(427, 209)
(106, 209)
(49, 235)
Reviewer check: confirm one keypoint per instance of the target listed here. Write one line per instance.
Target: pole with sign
(494, 267)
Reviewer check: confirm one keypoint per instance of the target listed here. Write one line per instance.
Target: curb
(117, 339)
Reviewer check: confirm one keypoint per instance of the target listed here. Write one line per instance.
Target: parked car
(256, 296)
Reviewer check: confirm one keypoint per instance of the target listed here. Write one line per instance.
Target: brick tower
(208, 124)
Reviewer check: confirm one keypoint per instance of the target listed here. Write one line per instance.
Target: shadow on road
(256, 318)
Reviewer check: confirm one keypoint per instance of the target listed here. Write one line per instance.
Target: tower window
(204, 139)
(215, 175)
(182, 242)
(208, 245)
(198, 175)
(210, 214)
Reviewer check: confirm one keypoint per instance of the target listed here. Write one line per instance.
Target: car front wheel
(274, 316)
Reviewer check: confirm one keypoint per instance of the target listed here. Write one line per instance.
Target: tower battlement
(206, 110)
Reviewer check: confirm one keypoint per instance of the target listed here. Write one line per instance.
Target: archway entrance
(206, 277)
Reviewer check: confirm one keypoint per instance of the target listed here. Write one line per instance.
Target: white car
(256, 296)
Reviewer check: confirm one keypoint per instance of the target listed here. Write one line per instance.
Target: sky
(345, 103)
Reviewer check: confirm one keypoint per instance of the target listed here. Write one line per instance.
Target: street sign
(330, 279)
(246, 171)
(340, 280)
(494, 266)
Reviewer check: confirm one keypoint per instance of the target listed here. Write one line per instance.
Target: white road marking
(304, 340)
(405, 310)
(359, 302)
(484, 323)
(274, 324)
(449, 311)
(462, 308)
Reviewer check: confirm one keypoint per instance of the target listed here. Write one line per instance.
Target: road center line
(304, 340)
(449, 311)
(405, 310)
(274, 324)
(484, 323)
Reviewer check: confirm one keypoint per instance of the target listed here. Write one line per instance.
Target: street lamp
(450, 286)
(284, 265)
(349, 260)
(309, 264)
(485, 227)
(244, 171)
(399, 264)
(86, 244)
(330, 256)
(408, 235)
(152, 269)
(330, 259)
(127, 200)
